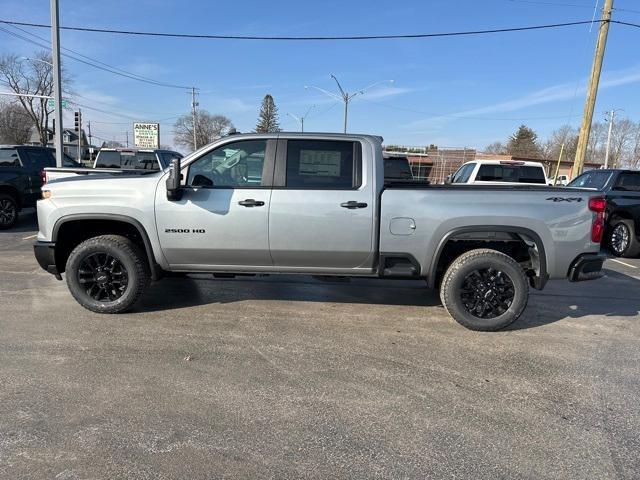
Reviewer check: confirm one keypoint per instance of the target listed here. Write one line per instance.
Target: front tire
(8, 211)
(107, 274)
(484, 290)
(622, 238)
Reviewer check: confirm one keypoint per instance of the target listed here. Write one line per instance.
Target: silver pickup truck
(314, 204)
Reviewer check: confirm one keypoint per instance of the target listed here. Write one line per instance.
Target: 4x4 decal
(565, 199)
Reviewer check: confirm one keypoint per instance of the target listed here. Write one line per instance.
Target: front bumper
(587, 266)
(45, 253)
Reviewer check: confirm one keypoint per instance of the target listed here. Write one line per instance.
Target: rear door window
(9, 157)
(629, 182)
(323, 165)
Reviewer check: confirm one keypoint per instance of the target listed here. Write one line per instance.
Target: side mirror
(447, 180)
(174, 189)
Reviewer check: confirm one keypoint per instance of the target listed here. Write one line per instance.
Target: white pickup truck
(314, 203)
(500, 172)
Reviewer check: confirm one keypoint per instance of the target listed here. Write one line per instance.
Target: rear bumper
(45, 253)
(587, 266)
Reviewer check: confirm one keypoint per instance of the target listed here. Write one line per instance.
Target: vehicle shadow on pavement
(561, 300)
(198, 290)
(620, 298)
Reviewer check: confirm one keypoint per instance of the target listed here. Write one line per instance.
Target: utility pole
(346, 97)
(127, 133)
(594, 80)
(194, 104)
(79, 135)
(57, 79)
(90, 142)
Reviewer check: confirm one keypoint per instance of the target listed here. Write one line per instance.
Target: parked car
(622, 192)
(21, 176)
(563, 180)
(500, 172)
(318, 205)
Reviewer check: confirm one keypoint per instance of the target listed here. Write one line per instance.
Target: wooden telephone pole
(594, 80)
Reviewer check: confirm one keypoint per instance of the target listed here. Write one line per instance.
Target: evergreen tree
(524, 143)
(268, 116)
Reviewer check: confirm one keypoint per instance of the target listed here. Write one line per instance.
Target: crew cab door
(322, 211)
(222, 218)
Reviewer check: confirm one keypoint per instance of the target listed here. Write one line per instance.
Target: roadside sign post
(146, 135)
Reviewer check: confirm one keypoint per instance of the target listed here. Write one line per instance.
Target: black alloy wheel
(8, 211)
(620, 238)
(487, 293)
(103, 276)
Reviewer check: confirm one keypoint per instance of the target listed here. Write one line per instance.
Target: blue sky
(484, 85)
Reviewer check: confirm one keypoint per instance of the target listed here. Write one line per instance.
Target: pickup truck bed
(315, 204)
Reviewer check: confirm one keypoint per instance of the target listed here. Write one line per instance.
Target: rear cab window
(594, 179)
(511, 174)
(127, 159)
(464, 173)
(38, 159)
(323, 165)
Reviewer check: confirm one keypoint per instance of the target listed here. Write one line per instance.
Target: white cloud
(555, 93)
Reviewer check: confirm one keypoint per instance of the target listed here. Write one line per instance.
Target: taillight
(43, 176)
(597, 205)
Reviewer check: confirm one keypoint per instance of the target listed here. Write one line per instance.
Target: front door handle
(250, 202)
(353, 204)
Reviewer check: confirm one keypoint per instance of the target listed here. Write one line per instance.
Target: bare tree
(495, 148)
(565, 135)
(15, 124)
(633, 159)
(621, 138)
(35, 77)
(597, 143)
(208, 128)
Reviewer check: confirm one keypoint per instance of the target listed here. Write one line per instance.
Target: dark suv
(21, 176)
(622, 192)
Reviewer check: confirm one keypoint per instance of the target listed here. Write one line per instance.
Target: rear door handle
(250, 202)
(353, 204)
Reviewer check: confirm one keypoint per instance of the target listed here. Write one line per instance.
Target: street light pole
(301, 119)
(346, 97)
(611, 114)
(194, 104)
(57, 80)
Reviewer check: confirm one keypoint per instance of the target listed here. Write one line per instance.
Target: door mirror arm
(174, 188)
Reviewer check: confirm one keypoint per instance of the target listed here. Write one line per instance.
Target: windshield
(595, 180)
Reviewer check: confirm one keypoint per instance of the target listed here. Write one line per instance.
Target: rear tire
(8, 211)
(484, 290)
(622, 238)
(107, 274)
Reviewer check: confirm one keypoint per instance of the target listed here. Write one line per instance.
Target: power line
(106, 69)
(93, 59)
(637, 25)
(311, 38)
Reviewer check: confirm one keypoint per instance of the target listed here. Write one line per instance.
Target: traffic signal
(77, 120)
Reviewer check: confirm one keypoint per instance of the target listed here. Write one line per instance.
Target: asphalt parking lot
(286, 377)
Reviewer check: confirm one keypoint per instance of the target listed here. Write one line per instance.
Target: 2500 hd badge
(184, 230)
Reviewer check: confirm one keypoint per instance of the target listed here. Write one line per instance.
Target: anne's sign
(146, 135)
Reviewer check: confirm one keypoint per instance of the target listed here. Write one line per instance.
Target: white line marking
(30, 236)
(623, 263)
